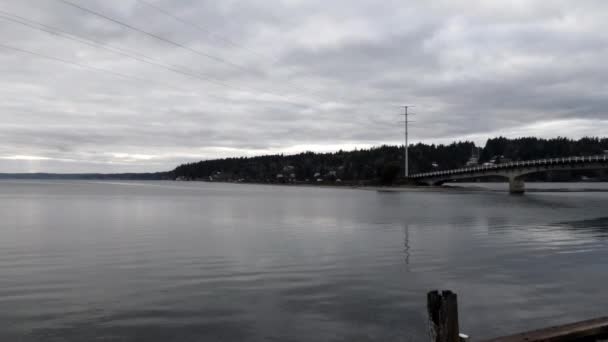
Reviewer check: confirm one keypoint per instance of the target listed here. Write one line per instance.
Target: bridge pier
(516, 186)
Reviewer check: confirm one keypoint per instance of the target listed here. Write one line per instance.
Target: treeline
(358, 165)
(385, 163)
(535, 148)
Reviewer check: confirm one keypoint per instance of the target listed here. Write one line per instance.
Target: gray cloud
(309, 75)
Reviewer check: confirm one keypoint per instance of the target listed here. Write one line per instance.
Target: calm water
(541, 186)
(145, 261)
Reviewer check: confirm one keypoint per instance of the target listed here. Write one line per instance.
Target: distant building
(474, 159)
(499, 160)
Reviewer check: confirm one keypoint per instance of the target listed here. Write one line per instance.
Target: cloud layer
(257, 76)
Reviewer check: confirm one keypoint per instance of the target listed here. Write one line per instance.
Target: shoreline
(453, 187)
(414, 188)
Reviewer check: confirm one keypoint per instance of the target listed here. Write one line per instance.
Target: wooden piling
(443, 316)
(443, 325)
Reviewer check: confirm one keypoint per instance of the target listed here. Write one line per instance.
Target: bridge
(513, 171)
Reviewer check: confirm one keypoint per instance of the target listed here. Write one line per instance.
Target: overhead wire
(124, 52)
(199, 27)
(84, 66)
(80, 65)
(172, 42)
(155, 36)
(205, 30)
(90, 42)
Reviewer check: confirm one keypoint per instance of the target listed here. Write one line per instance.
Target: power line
(137, 56)
(155, 36)
(80, 65)
(169, 41)
(205, 30)
(89, 67)
(197, 26)
(124, 52)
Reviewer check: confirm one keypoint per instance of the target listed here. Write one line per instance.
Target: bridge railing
(511, 165)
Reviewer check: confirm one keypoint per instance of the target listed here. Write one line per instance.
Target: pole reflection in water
(406, 243)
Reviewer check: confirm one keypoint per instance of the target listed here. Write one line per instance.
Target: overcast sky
(248, 77)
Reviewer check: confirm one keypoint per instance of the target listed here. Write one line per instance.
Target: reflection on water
(598, 226)
(139, 261)
(541, 186)
(406, 243)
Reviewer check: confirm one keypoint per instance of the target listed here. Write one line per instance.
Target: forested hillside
(385, 163)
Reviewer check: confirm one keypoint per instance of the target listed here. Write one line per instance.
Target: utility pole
(407, 121)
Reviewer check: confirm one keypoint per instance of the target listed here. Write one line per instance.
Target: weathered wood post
(443, 316)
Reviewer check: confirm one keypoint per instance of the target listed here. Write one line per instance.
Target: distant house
(495, 160)
(472, 162)
(474, 159)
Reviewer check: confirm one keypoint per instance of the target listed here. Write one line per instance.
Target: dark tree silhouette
(378, 165)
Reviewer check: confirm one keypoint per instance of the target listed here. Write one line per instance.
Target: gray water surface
(167, 261)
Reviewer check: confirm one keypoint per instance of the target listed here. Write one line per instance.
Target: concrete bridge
(514, 171)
